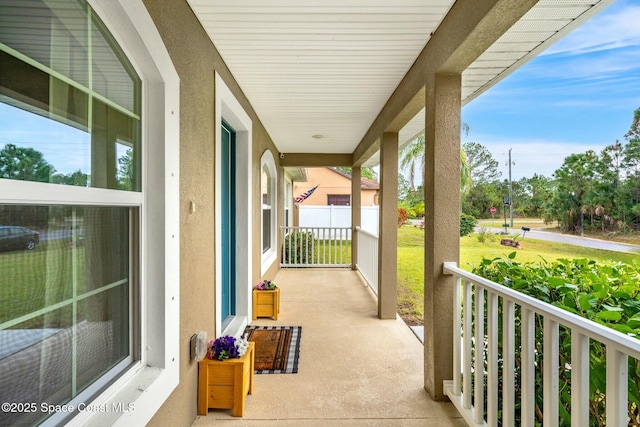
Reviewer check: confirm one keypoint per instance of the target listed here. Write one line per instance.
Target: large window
(69, 99)
(268, 201)
(267, 209)
(70, 111)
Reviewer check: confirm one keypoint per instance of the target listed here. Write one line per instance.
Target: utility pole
(510, 191)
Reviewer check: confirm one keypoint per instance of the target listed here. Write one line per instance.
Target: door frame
(228, 108)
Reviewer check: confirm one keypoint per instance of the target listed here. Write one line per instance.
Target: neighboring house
(334, 188)
(185, 146)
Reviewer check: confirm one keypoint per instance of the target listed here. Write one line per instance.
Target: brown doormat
(277, 348)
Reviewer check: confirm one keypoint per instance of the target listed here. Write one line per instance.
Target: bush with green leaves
(467, 224)
(607, 294)
(485, 235)
(298, 248)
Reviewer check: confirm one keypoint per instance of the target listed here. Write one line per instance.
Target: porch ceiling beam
(310, 160)
(469, 29)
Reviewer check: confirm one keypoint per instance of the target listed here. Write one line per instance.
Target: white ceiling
(327, 67)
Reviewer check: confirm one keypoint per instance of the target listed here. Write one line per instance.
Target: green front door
(228, 224)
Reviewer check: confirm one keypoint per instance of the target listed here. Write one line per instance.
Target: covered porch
(354, 368)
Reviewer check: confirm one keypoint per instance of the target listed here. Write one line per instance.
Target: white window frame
(269, 256)
(228, 108)
(148, 384)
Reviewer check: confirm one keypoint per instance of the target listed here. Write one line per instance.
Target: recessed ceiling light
(317, 136)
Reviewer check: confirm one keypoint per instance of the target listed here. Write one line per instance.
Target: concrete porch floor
(354, 369)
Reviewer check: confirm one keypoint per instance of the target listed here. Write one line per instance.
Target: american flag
(301, 198)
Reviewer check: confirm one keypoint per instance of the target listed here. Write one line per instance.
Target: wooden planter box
(224, 384)
(266, 303)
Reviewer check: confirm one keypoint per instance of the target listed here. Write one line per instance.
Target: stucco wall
(330, 183)
(196, 61)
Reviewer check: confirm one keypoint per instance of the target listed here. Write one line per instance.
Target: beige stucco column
(356, 214)
(388, 227)
(442, 225)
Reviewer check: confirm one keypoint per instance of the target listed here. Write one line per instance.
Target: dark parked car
(13, 237)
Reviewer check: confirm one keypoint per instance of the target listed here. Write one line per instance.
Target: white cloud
(531, 156)
(612, 29)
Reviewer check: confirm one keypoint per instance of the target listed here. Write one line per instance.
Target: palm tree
(413, 154)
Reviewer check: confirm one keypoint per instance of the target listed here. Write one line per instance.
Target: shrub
(606, 294)
(484, 235)
(419, 209)
(298, 248)
(403, 217)
(467, 224)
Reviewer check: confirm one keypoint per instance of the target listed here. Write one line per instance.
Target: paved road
(569, 239)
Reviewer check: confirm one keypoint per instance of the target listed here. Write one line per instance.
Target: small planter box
(266, 303)
(224, 384)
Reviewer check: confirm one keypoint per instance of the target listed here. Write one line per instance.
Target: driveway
(569, 239)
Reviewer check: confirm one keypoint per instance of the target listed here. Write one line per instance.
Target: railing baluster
(478, 386)
(457, 330)
(579, 379)
(471, 403)
(550, 345)
(335, 248)
(528, 368)
(341, 247)
(287, 259)
(295, 250)
(306, 245)
(492, 359)
(617, 387)
(466, 367)
(321, 246)
(508, 364)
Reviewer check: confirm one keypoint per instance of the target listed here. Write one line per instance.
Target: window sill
(268, 258)
(135, 402)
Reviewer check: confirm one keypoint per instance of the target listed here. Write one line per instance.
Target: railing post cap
(448, 266)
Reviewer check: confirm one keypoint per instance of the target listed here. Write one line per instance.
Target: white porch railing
(316, 247)
(368, 257)
(467, 389)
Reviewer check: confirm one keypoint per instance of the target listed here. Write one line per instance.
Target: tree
(604, 185)
(631, 162)
(572, 184)
(25, 164)
(403, 188)
(412, 158)
(77, 178)
(365, 172)
(481, 197)
(124, 173)
(539, 190)
(482, 166)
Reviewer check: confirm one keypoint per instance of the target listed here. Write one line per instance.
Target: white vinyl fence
(338, 216)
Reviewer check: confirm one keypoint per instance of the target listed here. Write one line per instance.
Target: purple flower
(266, 285)
(223, 348)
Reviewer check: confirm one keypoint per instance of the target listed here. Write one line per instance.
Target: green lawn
(32, 280)
(411, 260)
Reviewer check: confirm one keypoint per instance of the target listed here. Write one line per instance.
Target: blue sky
(577, 95)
